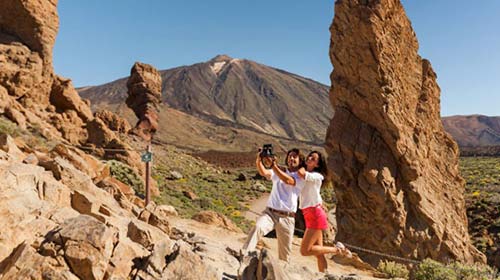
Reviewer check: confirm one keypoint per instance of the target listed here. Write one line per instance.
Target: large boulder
(88, 246)
(217, 219)
(26, 263)
(394, 166)
(65, 97)
(28, 197)
(261, 265)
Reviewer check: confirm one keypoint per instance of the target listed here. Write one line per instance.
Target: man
(282, 203)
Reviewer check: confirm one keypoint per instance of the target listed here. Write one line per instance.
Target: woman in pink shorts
(314, 214)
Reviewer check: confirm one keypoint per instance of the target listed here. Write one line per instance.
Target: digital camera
(267, 151)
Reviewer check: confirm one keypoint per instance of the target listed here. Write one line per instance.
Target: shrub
(126, 175)
(9, 127)
(473, 272)
(393, 269)
(432, 270)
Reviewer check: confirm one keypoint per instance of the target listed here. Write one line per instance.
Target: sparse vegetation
(126, 175)
(31, 136)
(482, 198)
(205, 187)
(9, 127)
(393, 269)
(432, 270)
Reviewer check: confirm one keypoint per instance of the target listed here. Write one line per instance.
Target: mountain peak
(217, 63)
(221, 58)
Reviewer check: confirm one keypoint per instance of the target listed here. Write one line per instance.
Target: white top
(310, 195)
(283, 196)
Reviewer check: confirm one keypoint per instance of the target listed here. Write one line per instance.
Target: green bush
(432, 270)
(9, 127)
(393, 269)
(126, 175)
(473, 272)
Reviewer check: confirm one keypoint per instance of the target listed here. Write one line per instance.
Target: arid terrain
(73, 178)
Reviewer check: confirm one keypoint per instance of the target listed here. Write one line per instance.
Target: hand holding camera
(267, 156)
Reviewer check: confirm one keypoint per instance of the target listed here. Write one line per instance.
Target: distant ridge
(473, 130)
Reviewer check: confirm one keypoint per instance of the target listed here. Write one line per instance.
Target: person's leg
(284, 233)
(322, 264)
(312, 245)
(263, 226)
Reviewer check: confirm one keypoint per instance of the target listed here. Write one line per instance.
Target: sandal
(344, 251)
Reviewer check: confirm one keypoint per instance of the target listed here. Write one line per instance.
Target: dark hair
(321, 168)
(302, 159)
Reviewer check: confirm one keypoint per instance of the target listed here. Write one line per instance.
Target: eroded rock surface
(57, 224)
(394, 166)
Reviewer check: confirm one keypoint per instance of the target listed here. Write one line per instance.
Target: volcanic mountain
(473, 130)
(228, 103)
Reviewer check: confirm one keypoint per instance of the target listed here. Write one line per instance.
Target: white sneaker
(343, 249)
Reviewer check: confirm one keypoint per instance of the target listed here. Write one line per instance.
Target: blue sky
(99, 40)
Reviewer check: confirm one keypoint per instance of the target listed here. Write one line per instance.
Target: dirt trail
(256, 207)
(216, 240)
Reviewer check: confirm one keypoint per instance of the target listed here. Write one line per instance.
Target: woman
(314, 214)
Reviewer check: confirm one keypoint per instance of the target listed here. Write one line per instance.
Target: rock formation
(113, 121)
(58, 224)
(34, 98)
(144, 98)
(394, 167)
(37, 97)
(32, 95)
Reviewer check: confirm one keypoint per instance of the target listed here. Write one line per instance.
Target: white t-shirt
(310, 195)
(283, 196)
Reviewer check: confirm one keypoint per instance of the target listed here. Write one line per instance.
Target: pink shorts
(315, 217)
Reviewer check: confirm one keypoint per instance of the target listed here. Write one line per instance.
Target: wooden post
(148, 171)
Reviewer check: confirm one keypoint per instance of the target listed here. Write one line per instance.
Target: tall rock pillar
(144, 98)
(394, 167)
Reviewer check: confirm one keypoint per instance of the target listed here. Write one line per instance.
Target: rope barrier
(357, 248)
(105, 149)
(373, 252)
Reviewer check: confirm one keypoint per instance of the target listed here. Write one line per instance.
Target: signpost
(147, 157)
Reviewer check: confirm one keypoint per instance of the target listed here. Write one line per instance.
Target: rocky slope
(236, 94)
(394, 166)
(473, 130)
(64, 217)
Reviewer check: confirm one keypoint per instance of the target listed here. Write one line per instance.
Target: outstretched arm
(260, 167)
(310, 176)
(302, 172)
(282, 175)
